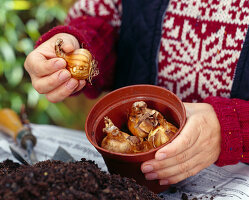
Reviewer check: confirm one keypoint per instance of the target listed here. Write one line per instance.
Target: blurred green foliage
(22, 23)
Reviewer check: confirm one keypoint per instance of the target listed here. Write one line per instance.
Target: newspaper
(219, 183)
(49, 138)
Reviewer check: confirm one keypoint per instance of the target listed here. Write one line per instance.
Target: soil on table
(75, 180)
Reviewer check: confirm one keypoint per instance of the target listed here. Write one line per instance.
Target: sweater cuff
(231, 142)
(63, 29)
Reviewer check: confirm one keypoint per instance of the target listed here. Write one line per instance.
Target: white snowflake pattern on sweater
(200, 46)
(110, 9)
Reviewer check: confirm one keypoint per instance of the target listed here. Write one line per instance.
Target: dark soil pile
(58, 180)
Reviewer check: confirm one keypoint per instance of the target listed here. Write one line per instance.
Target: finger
(69, 43)
(180, 177)
(62, 91)
(182, 168)
(182, 142)
(46, 84)
(68, 46)
(82, 83)
(154, 165)
(37, 65)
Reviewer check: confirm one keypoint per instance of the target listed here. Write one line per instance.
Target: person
(197, 49)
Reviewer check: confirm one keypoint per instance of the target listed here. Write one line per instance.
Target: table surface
(230, 182)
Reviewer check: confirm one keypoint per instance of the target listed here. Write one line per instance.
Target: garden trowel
(19, 129)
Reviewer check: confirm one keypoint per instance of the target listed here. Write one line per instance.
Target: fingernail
(64, 75)
(160, 156)
(147, 168)
(164, 182)
(59, 63)
(151, 176)
(71, 84)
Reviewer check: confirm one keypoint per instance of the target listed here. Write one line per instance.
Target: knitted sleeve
(95, 23)
(233, 115)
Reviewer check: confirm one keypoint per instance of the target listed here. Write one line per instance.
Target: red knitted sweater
(200, 47)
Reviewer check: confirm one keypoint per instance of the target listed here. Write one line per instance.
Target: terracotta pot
(116, 105)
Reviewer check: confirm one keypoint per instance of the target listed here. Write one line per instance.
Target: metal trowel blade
(19, 154)
(62, 155)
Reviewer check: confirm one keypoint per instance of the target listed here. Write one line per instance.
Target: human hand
(195, 148)
(48, 73)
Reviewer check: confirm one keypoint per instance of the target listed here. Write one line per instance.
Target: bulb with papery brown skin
(141, 119)
(80, 62)
(150, 124)
(118, 141)
(146, 146)
(121, 142)
(162, 133)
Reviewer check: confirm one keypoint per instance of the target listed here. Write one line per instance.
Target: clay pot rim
(141, 153)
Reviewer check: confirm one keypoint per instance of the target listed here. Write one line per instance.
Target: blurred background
(22, 23)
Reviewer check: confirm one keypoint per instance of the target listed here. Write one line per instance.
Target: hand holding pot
(48, 72)
(195, 148)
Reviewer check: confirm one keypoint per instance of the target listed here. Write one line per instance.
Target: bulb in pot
(121, 142)
(150, 124)
(161, 133)
(80, 62)
(142, 119)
